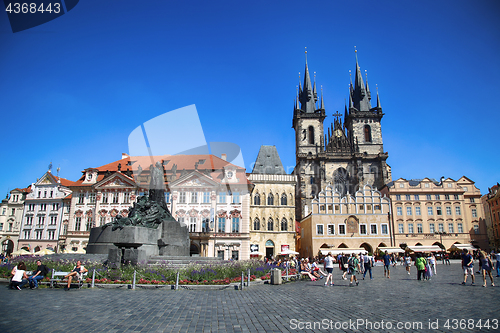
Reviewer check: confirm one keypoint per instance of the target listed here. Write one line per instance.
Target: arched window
(270, 224)
(284, 225)
(311, 135)
(283, 199)
(270, 199)
(256, 199)
(256, 224)
(368, 133)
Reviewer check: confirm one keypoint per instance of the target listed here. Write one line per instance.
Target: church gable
(114, 181)
(47, 179)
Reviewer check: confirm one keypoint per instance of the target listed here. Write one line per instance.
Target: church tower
(348, 155)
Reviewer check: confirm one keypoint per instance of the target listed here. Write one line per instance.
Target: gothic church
(348, 154)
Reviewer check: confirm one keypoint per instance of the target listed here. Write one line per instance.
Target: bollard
(133, 282)
(248, 278)
(93, 278)
(177, 281)
(287, 272)
(242, 279)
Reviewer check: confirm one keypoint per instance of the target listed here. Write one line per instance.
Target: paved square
(290, 307)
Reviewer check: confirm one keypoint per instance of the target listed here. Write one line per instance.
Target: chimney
(124, 156)
(223, 156)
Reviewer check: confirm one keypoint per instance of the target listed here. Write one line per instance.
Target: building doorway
(269, 249)
(8, 246)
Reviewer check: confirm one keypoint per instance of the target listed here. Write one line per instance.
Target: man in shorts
(387, 264)
(468, 266)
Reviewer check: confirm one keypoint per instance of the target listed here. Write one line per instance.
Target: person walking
(353, 269)
(497, 258)
(344, 264)
(328, 262)
(447, 259)
(468, 266)
(407, 261)
(420, 264)
(432, 263)
(368, 264)
(486, 266)
(387, 264)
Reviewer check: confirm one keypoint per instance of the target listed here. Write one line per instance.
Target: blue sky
(73, 89)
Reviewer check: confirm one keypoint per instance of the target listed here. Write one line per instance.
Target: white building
(11, 213)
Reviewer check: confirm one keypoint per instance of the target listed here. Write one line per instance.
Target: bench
(58, 276)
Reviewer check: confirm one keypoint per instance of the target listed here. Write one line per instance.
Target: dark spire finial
(322, 102)
(378, 99)
(305, 52)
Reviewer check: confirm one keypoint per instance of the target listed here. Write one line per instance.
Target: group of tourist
(485, 265)
(20, 276)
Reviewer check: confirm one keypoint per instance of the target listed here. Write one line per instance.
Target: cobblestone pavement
(382, 303)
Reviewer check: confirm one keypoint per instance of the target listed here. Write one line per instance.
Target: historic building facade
(205, 192)
(428, 212)
(348, 154)
(11, 215)
(272, 206)
(43, 213)
(491, 202)
(341, 222)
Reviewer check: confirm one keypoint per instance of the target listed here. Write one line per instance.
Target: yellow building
(340, 222)
(428, 212)
(272, 208)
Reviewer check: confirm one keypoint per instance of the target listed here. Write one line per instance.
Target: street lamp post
(441, 233)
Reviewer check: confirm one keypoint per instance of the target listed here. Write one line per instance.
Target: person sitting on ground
(20, 278)
(77, 271)
(40, 272)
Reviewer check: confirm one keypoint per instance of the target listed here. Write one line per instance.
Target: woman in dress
(486, 266)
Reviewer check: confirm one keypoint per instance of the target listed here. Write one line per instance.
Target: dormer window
(89, 176)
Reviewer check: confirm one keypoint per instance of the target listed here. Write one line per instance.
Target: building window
(42, 207)
(460, 227)
(235, 255)
(373, 229)
(398, 196)
(192, 224)
(168, 197)
(270, 224)
(450, 228)
(362, 229)
(256, 224)
(416, 197)
(330, 229)
(1, 226)
(92, 197)
(402, 185)
(341, 229)
(283, 199)
(428, 197)
(206, 197)
(39, 233)
(52, 234)
(408, 197)
(205, 223)
(284, 224)
(41, 220)
(368, 133)
(10, 227)
(105, 197)
(115, 198)
(431, 228)
(448, 210)
(446, 197)
(102, 220)
(27, 234)
(53, 219)
(78, 223)
(31, 207)
(472, 200)
(222, 197)
(439, 211)
(438, 197)
(476, 228)
(401, 228)
(410, 228)
(429, 211)
(236, 224)
(465, 188)
(408, 211)
(474, 212)
(126, 197)
(236, 197)
(29, 220)
(420, 228)
(81, 198)
(270, 199)
(440, 227)
(180, 219)
(182, 197)
(319, 229)
(194, 197)
(385, 229)
(256, 200)
(457, 210)
(55, 206)
(456, 197)
(426, 185)
(417, 210)
(44, 194)
(311, 135)
(221, 227)
(399, 211)
(89, 224)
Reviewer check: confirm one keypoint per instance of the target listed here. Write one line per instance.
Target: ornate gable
(116, 180)
(194, 179)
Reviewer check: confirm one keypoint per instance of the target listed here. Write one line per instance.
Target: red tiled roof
(25, 190)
